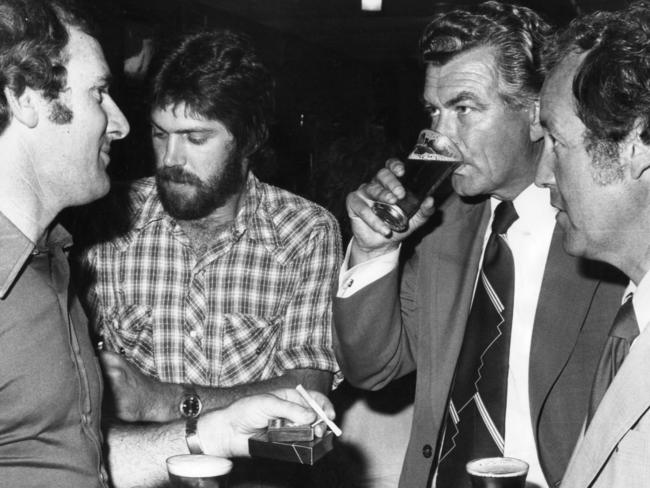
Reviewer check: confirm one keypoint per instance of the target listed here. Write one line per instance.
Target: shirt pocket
(248, 346)
(128, 329)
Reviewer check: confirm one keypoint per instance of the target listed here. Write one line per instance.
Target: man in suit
(481, 88)
(596, 115)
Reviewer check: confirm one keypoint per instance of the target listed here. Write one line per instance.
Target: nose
(118, 127)
(444, 124)
(545, 175)
(169, 152)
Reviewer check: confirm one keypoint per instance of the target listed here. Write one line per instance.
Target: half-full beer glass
(198, 471)
(433, 159)
(498, 472)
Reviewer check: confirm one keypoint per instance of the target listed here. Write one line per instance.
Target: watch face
(191, 406)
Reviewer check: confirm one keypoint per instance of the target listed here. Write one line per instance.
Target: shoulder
(116, 214)
(292, 213)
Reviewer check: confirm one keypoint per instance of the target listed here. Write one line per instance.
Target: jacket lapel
(564, 301)
(626, 400)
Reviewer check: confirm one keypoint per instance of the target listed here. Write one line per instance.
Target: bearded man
(219, 287)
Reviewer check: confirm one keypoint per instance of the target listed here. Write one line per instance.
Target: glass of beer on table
(426, 172)
(497, 472)
(198, 471)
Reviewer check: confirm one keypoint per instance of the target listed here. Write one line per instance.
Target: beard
(208, 195)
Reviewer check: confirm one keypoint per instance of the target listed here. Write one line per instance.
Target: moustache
(176, 174)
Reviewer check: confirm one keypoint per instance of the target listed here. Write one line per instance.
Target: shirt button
(427, 451)
(259, 350)
(193, 334)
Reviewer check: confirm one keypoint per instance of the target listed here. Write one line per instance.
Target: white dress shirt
(529, 238)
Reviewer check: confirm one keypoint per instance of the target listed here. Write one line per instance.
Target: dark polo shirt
(50, 385)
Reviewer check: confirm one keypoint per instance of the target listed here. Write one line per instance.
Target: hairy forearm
(137, 452)
(309, 378)
(169, 394)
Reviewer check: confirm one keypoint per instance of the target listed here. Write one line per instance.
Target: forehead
(179, 117)
(557, 103)
(474, 71)
(85, 59)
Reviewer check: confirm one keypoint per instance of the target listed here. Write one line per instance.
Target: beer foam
(198, 465)
(427, 156)
(497, 467)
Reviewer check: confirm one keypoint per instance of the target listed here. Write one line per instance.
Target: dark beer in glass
(427, 169)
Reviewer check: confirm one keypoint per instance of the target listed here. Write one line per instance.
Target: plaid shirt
(255, 305)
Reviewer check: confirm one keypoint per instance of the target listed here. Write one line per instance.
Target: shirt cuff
(354, 279)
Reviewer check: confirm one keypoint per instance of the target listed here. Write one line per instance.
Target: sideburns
(605, 160)
(60, 113)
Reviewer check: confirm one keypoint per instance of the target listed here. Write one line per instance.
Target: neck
(23, 201)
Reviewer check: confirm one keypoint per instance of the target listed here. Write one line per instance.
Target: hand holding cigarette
(319, 411)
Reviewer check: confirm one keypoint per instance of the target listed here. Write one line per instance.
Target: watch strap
(192, 436)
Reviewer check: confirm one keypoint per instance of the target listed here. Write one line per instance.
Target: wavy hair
(219, 76)
(517, 35)
(33, 37)
(612, 84)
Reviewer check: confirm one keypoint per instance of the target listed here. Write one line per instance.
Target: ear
(23, 107)
(536, 131)
(639, 151)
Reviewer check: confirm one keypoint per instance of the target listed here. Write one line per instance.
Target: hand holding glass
(432, 161)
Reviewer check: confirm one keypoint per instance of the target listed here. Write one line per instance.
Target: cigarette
(319, 411)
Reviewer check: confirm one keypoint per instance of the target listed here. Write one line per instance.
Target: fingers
(360, 210)
(292, 395)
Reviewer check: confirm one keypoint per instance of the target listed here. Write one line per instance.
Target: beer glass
(433, 159)
(198, 471)
(497, 472)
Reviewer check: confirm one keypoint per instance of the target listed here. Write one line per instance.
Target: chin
(574, 246)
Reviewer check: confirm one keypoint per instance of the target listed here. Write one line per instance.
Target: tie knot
(504, 215)
(625, 325)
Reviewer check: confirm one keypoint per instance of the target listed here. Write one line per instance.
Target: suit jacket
(415, 318)
(615, 449)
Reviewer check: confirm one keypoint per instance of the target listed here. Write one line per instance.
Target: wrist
(360, 253)
(190, 408)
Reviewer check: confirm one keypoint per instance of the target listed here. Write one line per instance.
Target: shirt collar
(533, 205)
(640, 300)
(16, 249)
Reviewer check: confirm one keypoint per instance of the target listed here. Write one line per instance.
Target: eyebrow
(191, 130)
(463, 96)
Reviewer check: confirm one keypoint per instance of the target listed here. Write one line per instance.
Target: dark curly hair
(516, 33)
(33, 37)
(612, 84)
(219, 76)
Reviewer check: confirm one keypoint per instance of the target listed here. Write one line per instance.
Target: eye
(99, 93)
(463, 109)
(197, 140)
(158, 134)
(432, 112)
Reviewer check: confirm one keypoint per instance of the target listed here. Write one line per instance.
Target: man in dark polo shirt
(57, 121)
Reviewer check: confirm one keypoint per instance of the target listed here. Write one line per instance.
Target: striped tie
(475, 425)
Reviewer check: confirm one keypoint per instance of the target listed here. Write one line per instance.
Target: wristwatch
(190, 408)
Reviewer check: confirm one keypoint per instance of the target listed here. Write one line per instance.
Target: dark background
(348, 81)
